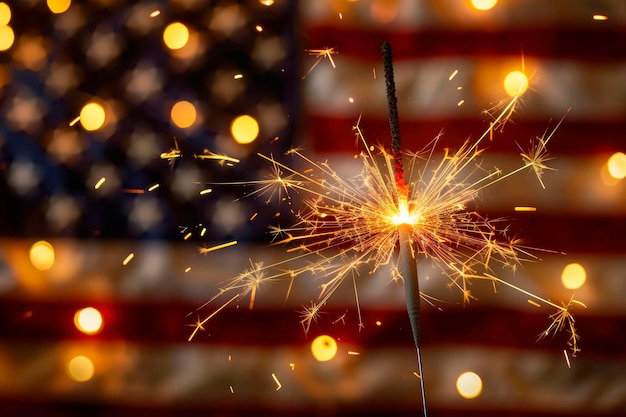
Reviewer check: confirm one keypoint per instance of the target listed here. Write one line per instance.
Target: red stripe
(580, 44)
(166, 323)
(376, 407)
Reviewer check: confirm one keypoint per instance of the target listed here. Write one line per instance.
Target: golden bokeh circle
(324, 348)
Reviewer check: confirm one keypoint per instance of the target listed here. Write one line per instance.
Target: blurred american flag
(259, 361)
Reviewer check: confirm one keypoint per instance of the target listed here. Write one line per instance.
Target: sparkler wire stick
(407, 264)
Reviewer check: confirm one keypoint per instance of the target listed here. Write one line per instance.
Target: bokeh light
(266, 2)
(59, 6)
(617, 165)
(515, 83)
(88, 320)
(469, 385)
(92, 116)
(176, 35)
(483, 4)
(80, 368)
(7, 37)
(5, 14)
(183, 114)
(244, 129)
(42, 255)
(573, 276)
(324, 348)
(384, 11)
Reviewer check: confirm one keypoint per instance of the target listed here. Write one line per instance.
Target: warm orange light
(573, 276)
(5, 14)
(469, 385)
(80, 368)
(176, 35)
(92, 116)
(484, 4)
(384, 11)
(404, 215)
(617, 165)
(324, 348)
(7, 37)
(183, 114)
(59, 6)
(244, 129)
(515, 83)
(88, 320)
(42, 255)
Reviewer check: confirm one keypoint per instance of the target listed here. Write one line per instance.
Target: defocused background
(113, 117)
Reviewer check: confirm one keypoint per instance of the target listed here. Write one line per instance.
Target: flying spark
(320, 54)
(128, 259)
(217, 157)
(99, 183)
(534, 303)
(172, 154)
(278, 385)
(216, 247)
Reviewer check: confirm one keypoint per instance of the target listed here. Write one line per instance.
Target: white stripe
(593, 91)
(458, 15)
(73, 276)
(203, 375)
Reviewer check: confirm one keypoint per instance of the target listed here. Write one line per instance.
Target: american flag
(127, 245)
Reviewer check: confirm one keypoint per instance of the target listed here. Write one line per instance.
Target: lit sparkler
(348, 225)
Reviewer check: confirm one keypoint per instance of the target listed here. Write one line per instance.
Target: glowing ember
(217, 247)
(278, 385)
(99, 183)
(320, 54)
(128, 259)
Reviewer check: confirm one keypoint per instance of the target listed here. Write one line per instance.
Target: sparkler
(407, 264)
(401, 207)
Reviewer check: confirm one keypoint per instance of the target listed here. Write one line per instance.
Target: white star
(143, 82)
(23, 176)
(145, 213)
(25, 112)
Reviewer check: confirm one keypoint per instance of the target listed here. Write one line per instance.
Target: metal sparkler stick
(407, 264)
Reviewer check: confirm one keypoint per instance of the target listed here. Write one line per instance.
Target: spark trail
(349, 227)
